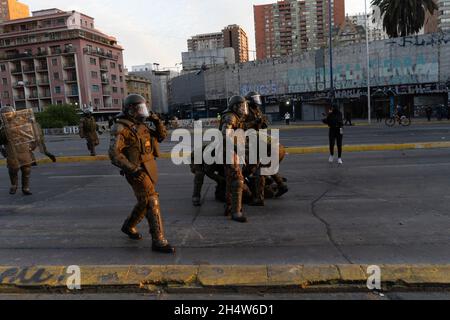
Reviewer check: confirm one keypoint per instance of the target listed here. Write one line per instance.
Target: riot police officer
(88, 130)
(134, 147)
(18, 150)
(233, 119)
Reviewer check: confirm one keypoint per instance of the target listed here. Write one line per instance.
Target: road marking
(407, 165)
(86, 176)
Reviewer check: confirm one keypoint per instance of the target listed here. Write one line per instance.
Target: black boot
(239, 217)
(13, 190)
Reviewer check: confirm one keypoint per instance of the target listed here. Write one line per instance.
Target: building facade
(232, 36)
(376, 31)
(141, 86)
(443, 15)
(349, 33)
(235, 37)
(197, 60)
(293, 26)
(59, 57)
(412, 71)
(160, 87)
(12, 9)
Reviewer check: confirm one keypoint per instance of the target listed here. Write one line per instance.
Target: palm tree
(402, 18)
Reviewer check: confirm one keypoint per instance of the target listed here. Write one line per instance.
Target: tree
(58, 116)
(402, 18)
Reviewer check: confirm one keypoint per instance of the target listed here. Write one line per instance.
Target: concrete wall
(411, 60)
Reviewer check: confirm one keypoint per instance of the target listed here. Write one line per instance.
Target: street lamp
(369, 102)
(330, 23)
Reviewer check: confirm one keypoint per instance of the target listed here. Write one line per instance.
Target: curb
(290, 150)
(205, 278)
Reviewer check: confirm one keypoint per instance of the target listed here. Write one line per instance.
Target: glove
(51, 157)
(139, 175)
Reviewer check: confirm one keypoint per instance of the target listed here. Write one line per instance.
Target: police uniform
(88, 130)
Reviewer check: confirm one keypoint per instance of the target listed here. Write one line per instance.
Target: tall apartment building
(12, 9)
(57, 57)
(376, 31)
(292, 26)
(139, 85)
(443, 15)
(232, 36)
(235, 37)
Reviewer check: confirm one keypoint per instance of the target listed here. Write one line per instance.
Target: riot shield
(20, 130)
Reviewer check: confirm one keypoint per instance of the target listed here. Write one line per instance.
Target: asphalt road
(378, 208)
(294, 137)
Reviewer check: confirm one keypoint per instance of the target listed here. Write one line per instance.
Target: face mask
(257, 100)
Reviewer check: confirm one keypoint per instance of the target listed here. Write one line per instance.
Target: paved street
(294, 137)
(386, 207)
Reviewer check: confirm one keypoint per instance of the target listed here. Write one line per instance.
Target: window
(6, 94)
(59, 102)
(93, 61)
(113, 65)
(94, 74)
(3, 68)
(116, 101)
(56, 75)
(57, 89)
(95, 88)
(5, 81)
(121, 79)
(122, 91)
(114, 89)
(113, 77)
(54, 62)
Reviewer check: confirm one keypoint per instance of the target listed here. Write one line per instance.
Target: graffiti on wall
(386, 71)
(263, 89)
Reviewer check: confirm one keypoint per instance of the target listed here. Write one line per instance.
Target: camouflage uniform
(134, 147)
(88, 130)
(233, 172)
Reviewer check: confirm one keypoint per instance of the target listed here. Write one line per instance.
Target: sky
(156, 31)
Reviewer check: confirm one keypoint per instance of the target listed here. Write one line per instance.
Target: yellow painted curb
(204, 278)
(290, 150)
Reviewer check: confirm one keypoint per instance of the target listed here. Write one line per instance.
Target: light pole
(369, 100)
(330, 23)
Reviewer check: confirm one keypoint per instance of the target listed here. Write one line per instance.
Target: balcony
(16, 71)
(19, 84)
(30, 83)
(42, 68)
(44, 82)
(71, 80)
(106, 93)
(33, 96)
(100, 53)
(70, 65)
(19, 98)
(69, 50)
(46, 95)
(73, 93)
(103, 67)
(29, 69)
(105, 81)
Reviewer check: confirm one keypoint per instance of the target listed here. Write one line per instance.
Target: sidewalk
(214, 279)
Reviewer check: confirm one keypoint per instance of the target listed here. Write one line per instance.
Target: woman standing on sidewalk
(335, 122)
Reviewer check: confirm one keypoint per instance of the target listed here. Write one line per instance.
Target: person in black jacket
(335, 122)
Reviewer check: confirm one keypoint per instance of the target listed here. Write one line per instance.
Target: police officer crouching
(134, 147)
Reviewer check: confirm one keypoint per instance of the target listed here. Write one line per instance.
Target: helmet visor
(257, 100)
(142, 111)
(242, 109)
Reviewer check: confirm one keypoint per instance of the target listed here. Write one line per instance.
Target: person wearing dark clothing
(335, 122)
(348, 119)
(379, 113)
(429, 112)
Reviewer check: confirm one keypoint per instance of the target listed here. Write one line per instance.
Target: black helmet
(254, 99)
(135, 107)
(238, 104)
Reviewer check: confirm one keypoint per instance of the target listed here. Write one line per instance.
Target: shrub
(58, 116)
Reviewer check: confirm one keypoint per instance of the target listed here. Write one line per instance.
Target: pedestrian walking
(429, 112)
(287, 118)
(335, 122)
(348, 119)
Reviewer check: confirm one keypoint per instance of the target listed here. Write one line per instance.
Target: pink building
(58, 57)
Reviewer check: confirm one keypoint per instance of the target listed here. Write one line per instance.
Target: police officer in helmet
(134, 147)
